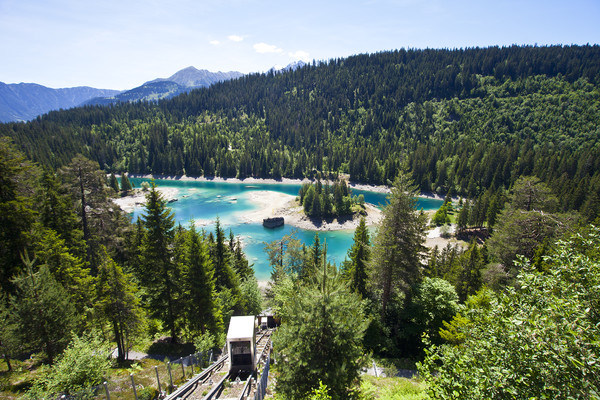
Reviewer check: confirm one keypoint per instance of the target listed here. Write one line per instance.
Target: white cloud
(300, 55)
(215, 42)
(235, 38)
(266, 48)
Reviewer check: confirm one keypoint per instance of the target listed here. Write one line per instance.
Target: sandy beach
(138, 198)
(275, 204)
(272, 204)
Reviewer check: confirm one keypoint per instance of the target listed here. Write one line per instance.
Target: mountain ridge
(25, 101)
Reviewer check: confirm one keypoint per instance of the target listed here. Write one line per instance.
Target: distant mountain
(25, 101)
(192, 78)
(164, 88)
(293, 66)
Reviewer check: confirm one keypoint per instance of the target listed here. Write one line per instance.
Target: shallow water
(201, 202)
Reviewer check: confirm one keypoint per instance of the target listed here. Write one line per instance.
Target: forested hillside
(513, 131)
(464, 120)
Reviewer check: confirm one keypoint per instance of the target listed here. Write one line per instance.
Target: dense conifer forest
(513, 132)
(463, 120)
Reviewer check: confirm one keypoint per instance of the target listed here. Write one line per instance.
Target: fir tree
(399, 242)
(117, 303)
(113, 182)
(126, 185)
(201, 307)
(329, 348)
(360, 255)
(41, 312)
(157, 272)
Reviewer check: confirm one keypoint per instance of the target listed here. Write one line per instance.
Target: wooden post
(133, 385)
(157, 378)
(170, 376)
(106, 390)
(182, 369)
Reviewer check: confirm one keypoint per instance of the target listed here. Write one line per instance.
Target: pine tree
(126, 185)
(469, 281)
(56, 212)
(202, 311)
(117, 304)
(157, 272)
(398, 249)
(86, 184)
(329, 348)
(69, 270)
(17, 212)
(113, 182)
(360, 255)
(41, 312)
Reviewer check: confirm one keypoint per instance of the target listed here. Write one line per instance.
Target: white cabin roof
(241, 327)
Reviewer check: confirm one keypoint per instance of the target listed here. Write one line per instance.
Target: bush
(83, 365)
(147, 393)
(537, 340)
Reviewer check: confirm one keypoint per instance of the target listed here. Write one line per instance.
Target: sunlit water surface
(201, 202)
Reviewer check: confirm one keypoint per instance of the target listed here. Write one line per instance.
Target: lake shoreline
(269, 181)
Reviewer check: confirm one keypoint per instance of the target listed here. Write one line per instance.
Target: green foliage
(360, 255)
(538, 340)
(527, 222)
(200, 307)
(392, 389)
(250, 297)
(41, 315)
(320, 393)
(435, 301)
(17, 213)
(113, 182)
(84, 364)
(398, 244)
(118, 305)
(156, 270)
(326, 350)
(327, 202)
(147, 393)
(126, 185)
(205, 342)
(441, 216)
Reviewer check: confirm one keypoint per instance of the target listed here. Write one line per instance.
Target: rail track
(216, 382)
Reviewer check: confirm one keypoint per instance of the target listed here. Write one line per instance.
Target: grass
(16, 382)
(393, 388)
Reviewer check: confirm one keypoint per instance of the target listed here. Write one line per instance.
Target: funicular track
(216, 382)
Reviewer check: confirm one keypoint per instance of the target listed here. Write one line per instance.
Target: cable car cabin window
(241, 353)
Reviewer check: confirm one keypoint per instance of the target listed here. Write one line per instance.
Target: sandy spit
(275, 204)
(138, 198)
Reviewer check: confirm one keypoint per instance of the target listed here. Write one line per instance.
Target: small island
(324, 201)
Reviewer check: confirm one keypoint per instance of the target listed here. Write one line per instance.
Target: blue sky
(121, 44)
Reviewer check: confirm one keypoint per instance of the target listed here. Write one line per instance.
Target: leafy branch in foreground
(538, 340)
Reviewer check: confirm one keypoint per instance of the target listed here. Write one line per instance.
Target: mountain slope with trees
(464, 121)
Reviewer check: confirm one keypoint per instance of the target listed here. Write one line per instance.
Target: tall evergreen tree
(113, 182)
(398, 250)
(360, 255)
(86, 184)
(126, 185)
(41, 313)
(202, 311)
(157, 272)
(17, 213)
(117, 304)
(329, 348)
(56, 212)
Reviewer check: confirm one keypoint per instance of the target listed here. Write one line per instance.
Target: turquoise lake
(204, 201)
